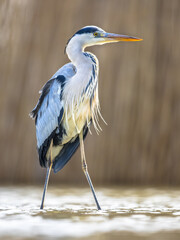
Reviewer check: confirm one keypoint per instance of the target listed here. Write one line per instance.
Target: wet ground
(70, 213)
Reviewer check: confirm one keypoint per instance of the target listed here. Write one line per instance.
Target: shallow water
(70, 213)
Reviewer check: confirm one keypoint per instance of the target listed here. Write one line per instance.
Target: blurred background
(139, 88)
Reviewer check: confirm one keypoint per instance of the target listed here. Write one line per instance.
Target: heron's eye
(95, 34)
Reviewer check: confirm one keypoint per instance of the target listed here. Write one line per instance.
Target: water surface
(70, 213)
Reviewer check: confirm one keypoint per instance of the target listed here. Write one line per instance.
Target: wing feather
(49, 110)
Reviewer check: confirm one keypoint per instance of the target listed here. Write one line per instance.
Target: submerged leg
(85, 170)
(47, 177)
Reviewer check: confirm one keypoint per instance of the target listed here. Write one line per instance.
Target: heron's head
(92, 35)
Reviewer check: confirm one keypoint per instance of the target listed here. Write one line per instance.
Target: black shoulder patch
(62, 80)
(87, 30)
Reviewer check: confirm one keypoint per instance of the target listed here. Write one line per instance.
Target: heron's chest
(77, 116)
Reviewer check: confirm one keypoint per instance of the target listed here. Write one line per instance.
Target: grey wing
(49, 110)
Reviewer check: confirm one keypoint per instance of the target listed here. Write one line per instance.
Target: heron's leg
(47, 176)
(85, 170)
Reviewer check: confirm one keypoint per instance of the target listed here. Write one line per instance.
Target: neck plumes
(84, 82)
(85, 69)
(74, 87)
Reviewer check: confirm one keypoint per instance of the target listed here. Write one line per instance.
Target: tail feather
(67, 151)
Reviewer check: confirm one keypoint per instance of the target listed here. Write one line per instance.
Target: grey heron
(69, 103)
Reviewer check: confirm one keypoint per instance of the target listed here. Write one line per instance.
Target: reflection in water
(70, 213)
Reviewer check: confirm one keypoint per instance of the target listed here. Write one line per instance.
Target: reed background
(139, 88)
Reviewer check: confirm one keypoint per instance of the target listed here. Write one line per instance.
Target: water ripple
(70, 212)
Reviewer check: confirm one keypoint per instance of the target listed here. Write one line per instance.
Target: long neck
(75, 50)
(86, 77)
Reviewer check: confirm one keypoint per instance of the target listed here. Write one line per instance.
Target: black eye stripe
(87, 30)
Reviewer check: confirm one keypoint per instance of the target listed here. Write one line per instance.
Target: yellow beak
(112, 37)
